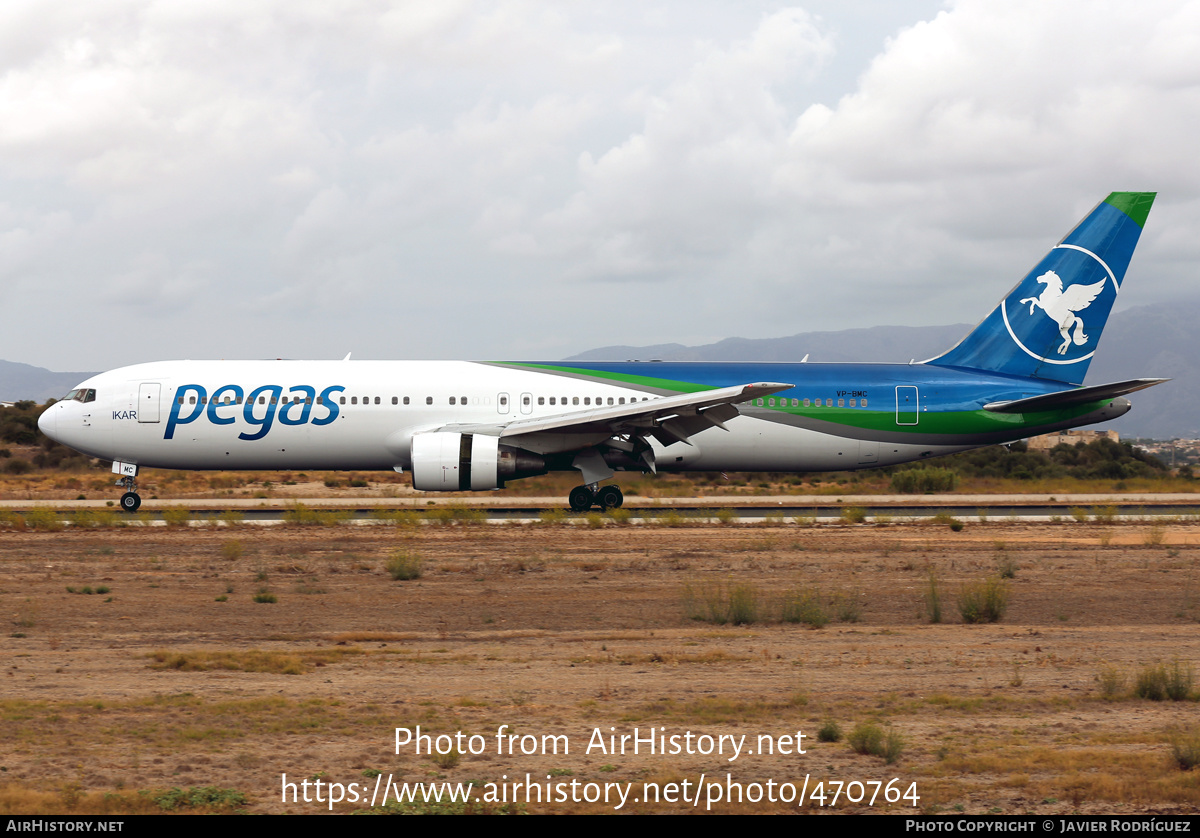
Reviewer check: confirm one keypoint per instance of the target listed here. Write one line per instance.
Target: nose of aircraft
(48, 421)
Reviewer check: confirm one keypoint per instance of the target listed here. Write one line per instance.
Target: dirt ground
(568, 631)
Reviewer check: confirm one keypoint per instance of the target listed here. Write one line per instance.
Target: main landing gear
(131, 500)
(583, 498)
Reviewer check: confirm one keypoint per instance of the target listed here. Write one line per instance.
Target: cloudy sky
(522, 179)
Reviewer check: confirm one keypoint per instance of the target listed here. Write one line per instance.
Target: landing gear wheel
(610, 497)
(581, 499)
(130, 501)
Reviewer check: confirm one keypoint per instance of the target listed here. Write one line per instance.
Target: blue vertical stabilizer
(1049, 324)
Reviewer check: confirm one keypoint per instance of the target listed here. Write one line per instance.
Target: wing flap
(652, 414)
(669, 419)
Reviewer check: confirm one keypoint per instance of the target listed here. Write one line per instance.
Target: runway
(745, 509)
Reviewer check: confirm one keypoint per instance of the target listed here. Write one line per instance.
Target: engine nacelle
(446, 461)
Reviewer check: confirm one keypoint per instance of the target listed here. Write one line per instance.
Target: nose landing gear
(583, 498)
(131, 500)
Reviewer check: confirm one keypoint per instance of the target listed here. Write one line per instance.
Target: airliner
(474, 426)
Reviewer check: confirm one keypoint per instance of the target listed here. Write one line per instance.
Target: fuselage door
(502, 402)
(147, 408)
(526, 403)
(907, 406)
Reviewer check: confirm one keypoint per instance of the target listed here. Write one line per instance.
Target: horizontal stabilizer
(1070, 398)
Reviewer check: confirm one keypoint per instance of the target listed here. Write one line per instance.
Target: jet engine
(445, 461)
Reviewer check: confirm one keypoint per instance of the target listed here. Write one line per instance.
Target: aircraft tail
(1049, 324)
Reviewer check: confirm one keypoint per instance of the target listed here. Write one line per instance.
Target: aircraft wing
(1069, 398)
(668, 419)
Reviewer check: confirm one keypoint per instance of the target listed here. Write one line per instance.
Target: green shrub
(870, 738)
(1185, 749)
(831, 731)
(1160, 681)
(866, 738)
(199, 797)
(933, 597)
(43, 518)
(848, 606)
(1113, 681)
(402, 565)
(854, 515)
(306, 517)
(736, 603)
(619, 516)
(1104, 514)
(264, 595)
(922, 481)
(804, 606)
(552, 517)
(983, 602)
(176, 516)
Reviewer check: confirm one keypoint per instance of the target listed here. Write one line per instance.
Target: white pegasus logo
(1060, 306)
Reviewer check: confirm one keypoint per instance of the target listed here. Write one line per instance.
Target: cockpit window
(80, 395)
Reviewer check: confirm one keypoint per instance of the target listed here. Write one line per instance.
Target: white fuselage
(363, 415)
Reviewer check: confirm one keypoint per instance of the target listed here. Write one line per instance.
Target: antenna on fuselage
(348, 354)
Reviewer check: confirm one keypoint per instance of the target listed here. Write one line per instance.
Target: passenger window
(504, 400)
(587, 399)
(320, 400)
(621, 400)
(770, 402)
(406, 399)
(452, 400)
(525, 400)
(853, 403)
(806, 404)
(429, 400)
(575, 400)
(841, 402)
(341, 400)
(829, 402)
(181, 399)
(354, 400)
(864, 402)
(377, 400)
(541, 400)
(204, 400)
(395, 400)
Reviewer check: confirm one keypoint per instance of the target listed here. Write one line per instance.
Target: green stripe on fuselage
(947, 423)
(632, 380)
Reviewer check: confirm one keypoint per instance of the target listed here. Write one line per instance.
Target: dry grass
(588, 635)
(251, 660)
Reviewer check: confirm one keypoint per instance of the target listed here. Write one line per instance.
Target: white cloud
(308, 173)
